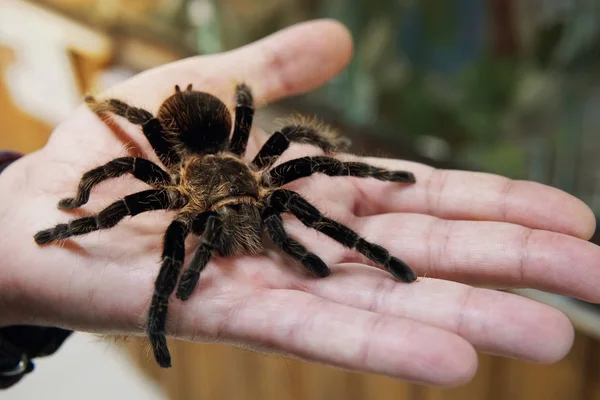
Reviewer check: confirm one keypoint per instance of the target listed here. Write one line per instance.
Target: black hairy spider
(219, 197)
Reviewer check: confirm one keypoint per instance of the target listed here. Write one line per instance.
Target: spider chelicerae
(218, 196)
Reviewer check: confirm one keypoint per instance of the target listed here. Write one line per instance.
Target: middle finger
(476, 252)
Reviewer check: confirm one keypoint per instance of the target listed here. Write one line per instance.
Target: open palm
(451, 227)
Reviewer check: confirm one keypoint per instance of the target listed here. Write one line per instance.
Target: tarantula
(218, 196)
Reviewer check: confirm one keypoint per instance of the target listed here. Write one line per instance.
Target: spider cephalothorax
(227, 202)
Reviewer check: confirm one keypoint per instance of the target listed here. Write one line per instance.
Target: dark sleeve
(20, 344)
(7, 157)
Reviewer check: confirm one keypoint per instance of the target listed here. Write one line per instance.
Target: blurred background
(503, 86)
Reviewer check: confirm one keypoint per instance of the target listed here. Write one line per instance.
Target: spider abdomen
(200, 121)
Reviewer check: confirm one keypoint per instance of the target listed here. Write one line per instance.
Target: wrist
(20, 344)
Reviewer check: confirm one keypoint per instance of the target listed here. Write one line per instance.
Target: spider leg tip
(183, 293)
(163, 358)
(44, 237)
(401, 271)
(67, 204)
(244, 95)
(405, 177)
(159, 348)
(316, 265)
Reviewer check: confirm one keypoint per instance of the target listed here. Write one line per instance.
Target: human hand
(451, 226)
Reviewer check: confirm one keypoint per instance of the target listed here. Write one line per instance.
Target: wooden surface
(211, 371)
(18, 130)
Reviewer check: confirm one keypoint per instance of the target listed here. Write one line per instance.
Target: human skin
(460, 231)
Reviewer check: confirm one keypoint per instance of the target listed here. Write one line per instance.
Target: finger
(462, 195)
(481, 253)
(314, 329)
(494, 322)
(289, 62)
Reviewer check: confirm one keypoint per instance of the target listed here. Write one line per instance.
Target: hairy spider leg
(131, 205)
(273, 148)
(172, 261)
(284, 200)
(276, 230)
(151, 126)
(279, 142)
(209, 226)
(244, 114)
(140, 168)
(306, 166)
